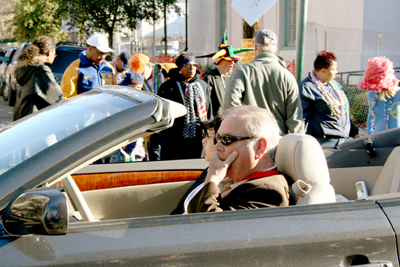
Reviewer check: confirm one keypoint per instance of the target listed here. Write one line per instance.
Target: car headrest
(301, 157)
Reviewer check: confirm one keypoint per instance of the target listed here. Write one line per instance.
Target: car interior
(138, 192)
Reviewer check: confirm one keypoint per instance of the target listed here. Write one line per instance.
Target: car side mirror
(38, 211)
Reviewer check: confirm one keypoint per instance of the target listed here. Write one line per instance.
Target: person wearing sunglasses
(90, 70)
(209, 141)
(242, 173)
(184, 139)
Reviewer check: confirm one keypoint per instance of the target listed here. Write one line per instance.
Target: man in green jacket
(266, 83)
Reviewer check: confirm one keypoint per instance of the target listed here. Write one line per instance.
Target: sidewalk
(5, 113)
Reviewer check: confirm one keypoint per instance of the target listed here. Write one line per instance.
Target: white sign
(68, 28)
(252, 10)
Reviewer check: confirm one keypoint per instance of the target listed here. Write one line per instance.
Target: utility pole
(186, 25)
(165, 27)
(154, 32)
(301, 39)
(73, 36)
(222, 19)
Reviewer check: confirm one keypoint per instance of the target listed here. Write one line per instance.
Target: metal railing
(358, 73)
(358, 99)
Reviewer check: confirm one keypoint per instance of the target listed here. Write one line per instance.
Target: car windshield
(27, 137)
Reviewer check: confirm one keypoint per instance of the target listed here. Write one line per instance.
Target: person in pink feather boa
(383, 96)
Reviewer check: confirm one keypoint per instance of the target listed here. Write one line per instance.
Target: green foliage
(13, 40)
(113, 16)
(37, 17)
(358, 100)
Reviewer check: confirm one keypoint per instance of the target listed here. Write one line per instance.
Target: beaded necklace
(338, 102)
(386, 116)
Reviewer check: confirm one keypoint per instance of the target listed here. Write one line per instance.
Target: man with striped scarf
(183, 139)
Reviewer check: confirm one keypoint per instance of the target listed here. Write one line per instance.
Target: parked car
(2, 53)
(66, 54)
(58, 209)
(10, 85)
(6, 59)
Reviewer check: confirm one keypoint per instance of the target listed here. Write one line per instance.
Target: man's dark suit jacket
(272, 191)
(217, 88)
(200, 180)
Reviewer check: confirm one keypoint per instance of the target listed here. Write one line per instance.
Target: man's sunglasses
(226, 140)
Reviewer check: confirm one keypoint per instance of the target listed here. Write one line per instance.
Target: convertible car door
(391, 207)
(338, 234)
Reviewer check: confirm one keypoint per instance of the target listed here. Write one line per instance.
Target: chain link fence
(353, 48)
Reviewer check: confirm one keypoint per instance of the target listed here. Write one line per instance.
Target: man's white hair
(269, 45)
(261, 123)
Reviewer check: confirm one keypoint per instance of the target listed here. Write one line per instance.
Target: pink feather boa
(379, 75)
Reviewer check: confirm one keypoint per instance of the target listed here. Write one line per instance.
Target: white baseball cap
(100, 42)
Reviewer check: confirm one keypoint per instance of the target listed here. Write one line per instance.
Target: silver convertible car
(59, 209)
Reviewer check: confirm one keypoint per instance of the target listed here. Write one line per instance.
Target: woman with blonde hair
(39, 88)
(383, 94)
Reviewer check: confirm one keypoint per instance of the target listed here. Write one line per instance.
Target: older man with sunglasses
(242, 173)
(210, 129)
(90, 70)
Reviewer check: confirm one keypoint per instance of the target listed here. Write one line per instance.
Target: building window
(290, 23)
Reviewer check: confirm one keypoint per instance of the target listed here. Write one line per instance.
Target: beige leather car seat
(301, 157)
(389, 178)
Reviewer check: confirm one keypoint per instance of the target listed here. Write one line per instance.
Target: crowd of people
(317, 106)
(256, 103)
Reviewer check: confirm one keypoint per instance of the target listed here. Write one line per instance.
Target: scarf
(192, 95)
(153, 84)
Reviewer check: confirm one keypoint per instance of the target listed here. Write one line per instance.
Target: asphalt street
(5, 113)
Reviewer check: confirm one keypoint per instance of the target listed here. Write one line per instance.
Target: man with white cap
(266, 83)
(90, 70)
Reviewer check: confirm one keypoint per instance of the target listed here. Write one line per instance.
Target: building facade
(354, 30)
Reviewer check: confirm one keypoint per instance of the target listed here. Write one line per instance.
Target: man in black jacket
(217, 78)
(183, 139)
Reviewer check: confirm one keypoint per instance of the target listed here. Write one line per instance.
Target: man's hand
(218, 168)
